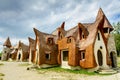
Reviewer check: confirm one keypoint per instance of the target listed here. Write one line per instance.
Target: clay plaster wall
(97, 45)
(72, 54)
(89, 61)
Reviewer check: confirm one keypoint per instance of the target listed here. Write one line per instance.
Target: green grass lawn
(58, 69)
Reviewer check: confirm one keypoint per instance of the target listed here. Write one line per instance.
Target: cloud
(17, 18)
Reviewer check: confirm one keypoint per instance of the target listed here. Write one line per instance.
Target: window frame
(50, 41)
(69, 40)
(49, 57)
(82, 55)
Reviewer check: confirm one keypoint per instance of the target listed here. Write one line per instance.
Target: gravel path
(13, 71)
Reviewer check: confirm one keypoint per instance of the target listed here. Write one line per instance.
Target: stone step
(107, 71)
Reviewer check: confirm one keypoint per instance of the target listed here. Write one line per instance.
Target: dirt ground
(14, 71)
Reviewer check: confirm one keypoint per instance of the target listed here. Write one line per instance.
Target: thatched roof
(43, 37)
(7, 43)
(31, 43)
(24, 47)
(101, 21)
(61, 27)
(106, 23)
(89, 29)
(91, 37)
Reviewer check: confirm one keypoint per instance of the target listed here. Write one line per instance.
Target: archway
(64, 58)
(113, 59)
(19, 56)
(100, 58)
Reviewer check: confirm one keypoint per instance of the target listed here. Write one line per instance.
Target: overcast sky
(18, 17)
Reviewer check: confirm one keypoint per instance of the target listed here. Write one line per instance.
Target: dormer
(83, 33)
(69, 39)
(60, 35)
(50, 41)
(61, 31)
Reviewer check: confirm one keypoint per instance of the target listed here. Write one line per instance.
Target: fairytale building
(86, 45)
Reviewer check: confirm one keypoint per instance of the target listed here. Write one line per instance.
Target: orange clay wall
(71, 47)
(89, 61)
(33, 56)
(14, 55)
(25, 56)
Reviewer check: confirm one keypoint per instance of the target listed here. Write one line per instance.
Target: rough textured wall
(71, 47)
(89, 61)
(5, 53)
(112, 48)
(111, 44)
(25, 56)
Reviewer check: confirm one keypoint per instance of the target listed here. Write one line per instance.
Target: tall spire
(7, 43)
(100, 14)
(106, 23)
(63, 24)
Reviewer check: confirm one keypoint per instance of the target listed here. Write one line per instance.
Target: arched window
(69, 40)
(50, 41)
(60, 35)
(82, 35)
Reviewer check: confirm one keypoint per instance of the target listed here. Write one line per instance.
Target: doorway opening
(65, 55)
(113, 59)
(19, 56)
(100, 58)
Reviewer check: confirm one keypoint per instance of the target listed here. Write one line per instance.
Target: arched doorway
(19, 56)
(113, 59)
(100, 58)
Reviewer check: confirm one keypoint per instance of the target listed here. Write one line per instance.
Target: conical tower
(7, 43)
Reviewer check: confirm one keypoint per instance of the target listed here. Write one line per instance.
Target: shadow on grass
(1, 74)
(1, 64)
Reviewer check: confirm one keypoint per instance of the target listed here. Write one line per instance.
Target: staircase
(107, 71)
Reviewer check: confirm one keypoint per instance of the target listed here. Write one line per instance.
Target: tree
(116, 28)
(116, 33)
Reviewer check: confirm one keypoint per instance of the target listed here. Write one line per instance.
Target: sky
(19, 17)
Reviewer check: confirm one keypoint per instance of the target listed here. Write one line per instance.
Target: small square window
(82, 54)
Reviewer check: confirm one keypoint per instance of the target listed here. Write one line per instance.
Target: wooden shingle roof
(23, 46)
(106, 23)
(7, 43)
(43, 37)
(31, 43)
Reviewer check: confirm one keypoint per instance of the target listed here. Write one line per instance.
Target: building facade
(86, 46)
